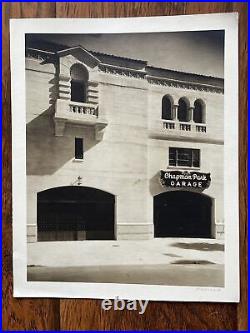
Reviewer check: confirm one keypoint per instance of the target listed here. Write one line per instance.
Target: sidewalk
(165, 261)
(145, 252)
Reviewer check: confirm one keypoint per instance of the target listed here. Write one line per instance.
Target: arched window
(167, 108)
(199, 111)
(183, 110)
(79, 80)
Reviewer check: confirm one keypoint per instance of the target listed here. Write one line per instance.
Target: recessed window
(78, 91)
(79, 83)
(167, 108)
(184, 157)
(183, 110)
(199, 111)
(79, 148)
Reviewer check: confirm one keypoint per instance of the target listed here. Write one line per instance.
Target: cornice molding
(184, 85)
(39, 54)
(116, 70)
(141, 74)
(160, 81)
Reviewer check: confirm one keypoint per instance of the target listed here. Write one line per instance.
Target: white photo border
(201, 22)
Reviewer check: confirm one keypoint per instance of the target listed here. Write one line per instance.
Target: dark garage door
(75, 213)
(182, 214)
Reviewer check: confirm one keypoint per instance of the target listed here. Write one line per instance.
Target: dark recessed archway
(79, 82)
(182, 214)
(75, 213)
(199, 111)
(183, 113)
(167, 108)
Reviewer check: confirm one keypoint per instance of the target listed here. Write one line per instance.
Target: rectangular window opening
(184, 157)
(79, 148)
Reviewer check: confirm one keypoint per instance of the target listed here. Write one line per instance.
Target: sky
(200, 52)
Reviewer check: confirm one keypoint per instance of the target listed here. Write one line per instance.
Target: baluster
(91, 111)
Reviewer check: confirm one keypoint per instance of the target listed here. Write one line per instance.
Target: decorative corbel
(99, 131)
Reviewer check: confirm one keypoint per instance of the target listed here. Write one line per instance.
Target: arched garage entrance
(75, 213)
(182, 214)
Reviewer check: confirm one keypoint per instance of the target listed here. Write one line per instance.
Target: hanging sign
(185, 179)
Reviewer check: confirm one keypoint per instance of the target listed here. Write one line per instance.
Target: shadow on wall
(155, 186)
(53, 91)
(47, 153)
(200, 246)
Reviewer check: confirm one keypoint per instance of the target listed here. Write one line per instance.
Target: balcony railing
(183, 126)
(201, 128)
(82, 108)
(168, 124)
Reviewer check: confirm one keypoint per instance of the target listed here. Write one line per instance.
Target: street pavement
(171, 275)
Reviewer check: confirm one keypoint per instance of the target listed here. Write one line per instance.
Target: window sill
(77, 160)
(183, 168)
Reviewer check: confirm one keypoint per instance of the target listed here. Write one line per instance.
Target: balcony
(182, 126)
(167, 129)
(85, 114)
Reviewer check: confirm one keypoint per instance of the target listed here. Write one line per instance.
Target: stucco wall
(214, 112)
(126, 162)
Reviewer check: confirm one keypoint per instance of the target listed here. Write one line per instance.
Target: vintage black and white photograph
(125, 168)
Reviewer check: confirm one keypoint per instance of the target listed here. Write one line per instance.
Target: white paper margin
(22, 288)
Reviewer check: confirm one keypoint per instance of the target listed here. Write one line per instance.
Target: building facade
(119, 149)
